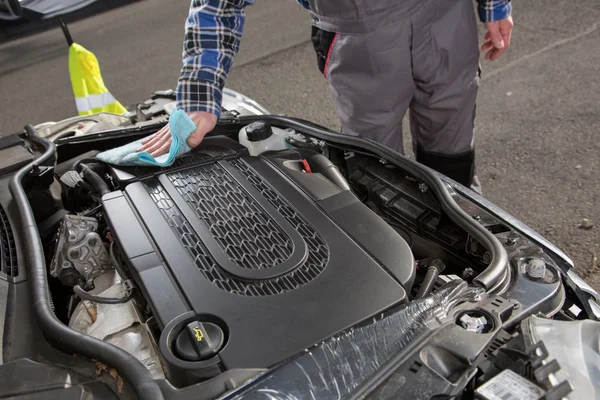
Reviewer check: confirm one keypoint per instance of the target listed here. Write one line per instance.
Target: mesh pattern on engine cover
(318, 252)
(245, 232)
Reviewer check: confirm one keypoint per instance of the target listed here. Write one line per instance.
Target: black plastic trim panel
(145, 264)
(373, 233)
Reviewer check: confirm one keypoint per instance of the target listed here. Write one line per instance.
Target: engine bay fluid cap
(258, 130)
(199, 341)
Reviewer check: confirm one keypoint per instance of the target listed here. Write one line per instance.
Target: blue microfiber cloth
(181, 127)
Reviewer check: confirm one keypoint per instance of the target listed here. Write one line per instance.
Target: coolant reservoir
(259, 137)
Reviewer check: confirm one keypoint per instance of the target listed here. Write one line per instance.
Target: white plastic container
(259, 137)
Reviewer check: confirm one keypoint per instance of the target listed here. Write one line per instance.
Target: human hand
(497, 38)
(160, 143)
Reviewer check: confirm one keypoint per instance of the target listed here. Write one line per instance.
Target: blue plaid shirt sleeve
(494, 10)
(213, 31)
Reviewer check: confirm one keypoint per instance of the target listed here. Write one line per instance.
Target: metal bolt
(468, 273)
(92, 242)
(535, 268)
(474, 324)
(476, 217)
(74, 254)
(510, 241)
(515, 303)
(423, 187)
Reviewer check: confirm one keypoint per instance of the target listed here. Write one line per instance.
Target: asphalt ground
(538, 123)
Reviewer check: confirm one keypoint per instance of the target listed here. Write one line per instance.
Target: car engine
(242, 261)
(233, 261)
(251, 252)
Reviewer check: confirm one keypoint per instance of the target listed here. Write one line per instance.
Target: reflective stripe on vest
(91, 101)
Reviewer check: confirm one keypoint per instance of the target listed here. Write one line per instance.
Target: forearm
(494, 10)
(213, 31)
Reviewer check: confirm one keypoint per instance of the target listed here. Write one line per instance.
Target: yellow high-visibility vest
(91, 95)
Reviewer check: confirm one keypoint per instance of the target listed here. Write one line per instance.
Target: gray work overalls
(384, 57)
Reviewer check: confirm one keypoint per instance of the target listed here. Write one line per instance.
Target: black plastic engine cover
(239, 242)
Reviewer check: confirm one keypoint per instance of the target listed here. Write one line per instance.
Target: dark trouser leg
(445, 57)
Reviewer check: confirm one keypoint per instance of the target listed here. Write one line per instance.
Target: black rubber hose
(130, 368)
(302, 145)
(321, 164)
(433, 271)
(495, 271)
(77, 164)
(115, 261)
(83, 295)
(85, 185)
(95, 180)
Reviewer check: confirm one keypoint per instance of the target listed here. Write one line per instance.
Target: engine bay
(259, 251)
(234, 261)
